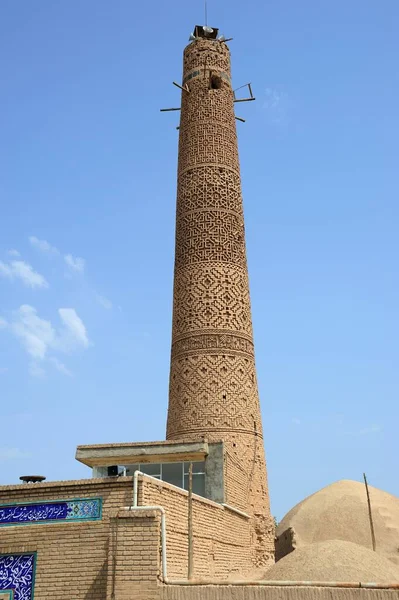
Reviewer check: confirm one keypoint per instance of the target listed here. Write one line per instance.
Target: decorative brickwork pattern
(213, 389)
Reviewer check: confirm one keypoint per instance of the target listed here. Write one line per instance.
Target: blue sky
(87, 195)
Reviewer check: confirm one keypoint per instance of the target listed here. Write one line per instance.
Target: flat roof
(103, 455)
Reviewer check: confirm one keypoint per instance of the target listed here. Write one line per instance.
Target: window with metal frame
(175, 473)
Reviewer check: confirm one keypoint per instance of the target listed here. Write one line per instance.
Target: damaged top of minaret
(203, 31)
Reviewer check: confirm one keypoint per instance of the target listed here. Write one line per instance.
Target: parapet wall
(221, 537)
(258, 592)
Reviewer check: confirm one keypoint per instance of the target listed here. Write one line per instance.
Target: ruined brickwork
(213, 387)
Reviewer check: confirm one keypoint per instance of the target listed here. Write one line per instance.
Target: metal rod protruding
(244, 99)
(185, 88)
(370, 514)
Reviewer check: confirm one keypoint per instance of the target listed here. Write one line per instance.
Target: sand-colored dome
(334, 560)
(339, 512)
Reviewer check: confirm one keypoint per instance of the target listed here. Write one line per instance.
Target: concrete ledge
(104, 455)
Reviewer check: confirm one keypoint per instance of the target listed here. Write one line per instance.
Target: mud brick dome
(213, 390)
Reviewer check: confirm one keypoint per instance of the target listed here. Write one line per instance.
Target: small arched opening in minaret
(215, 81)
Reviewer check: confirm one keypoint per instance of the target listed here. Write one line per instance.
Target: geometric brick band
(215, 165)
(190, 432)
(200, 71)
(218, 342)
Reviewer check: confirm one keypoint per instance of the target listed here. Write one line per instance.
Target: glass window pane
(198, 484)
(130, 469)
(151, 469)
(173, 473)
(198, 467)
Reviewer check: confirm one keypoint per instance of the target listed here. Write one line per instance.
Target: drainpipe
(163, 519)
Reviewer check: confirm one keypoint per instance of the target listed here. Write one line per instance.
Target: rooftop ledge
(103, 455)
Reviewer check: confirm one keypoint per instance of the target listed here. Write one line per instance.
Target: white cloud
(60, 366)
(40, 339)
(105, 303)
(276, 105)
(43, 245)
(18, 269)
(74, 326)
(35, 334)
(371, 429)
(5, 270)
(273, 98)
(75, 263)
(13, 454)
(365, 430)
(13, 252)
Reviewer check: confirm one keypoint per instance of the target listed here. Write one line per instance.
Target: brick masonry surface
(72, 558)
(118, 558)
(222, 538)
(122, 551)
(253, 592)
(213, 389)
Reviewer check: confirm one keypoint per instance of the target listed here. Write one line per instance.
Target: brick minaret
(213, 390)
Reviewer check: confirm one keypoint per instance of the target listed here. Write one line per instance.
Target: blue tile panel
(17, 574)
(88, 509)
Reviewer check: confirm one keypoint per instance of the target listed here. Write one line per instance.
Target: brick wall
(71, 556)
(212, 592)
(133, 559)
(118, 557)
(221, 537)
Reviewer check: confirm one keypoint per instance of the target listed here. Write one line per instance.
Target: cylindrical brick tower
(213, 390)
